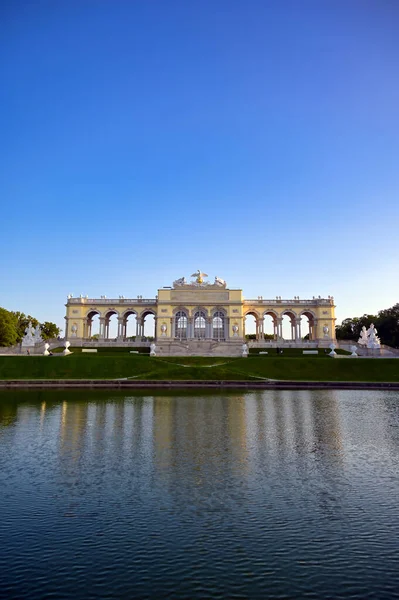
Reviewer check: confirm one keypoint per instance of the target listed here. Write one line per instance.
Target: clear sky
(255, 140)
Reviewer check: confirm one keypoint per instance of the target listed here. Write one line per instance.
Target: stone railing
(282, 344)
(102, 343)
(10, 349)
(112, 301)
(37, 348)
(315, 301)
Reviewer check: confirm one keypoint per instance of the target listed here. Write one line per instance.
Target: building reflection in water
(293, 420)
(193, 427)
(209, 435)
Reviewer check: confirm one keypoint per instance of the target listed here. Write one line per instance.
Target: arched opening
(250, 326)
(307, 326)
(181, 322)
(129, 326)
(148, 319)
(92, 325)
(111, 325)
(199, 325)
(270, 326)
(218, 323)
(288, 326)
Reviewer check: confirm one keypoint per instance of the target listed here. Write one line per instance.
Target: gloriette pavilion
(201, 317)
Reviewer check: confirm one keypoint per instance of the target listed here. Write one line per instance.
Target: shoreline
(190, 384)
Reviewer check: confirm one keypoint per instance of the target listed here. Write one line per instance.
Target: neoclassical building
(201, 311)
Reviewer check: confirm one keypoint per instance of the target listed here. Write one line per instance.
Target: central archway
(200, 325)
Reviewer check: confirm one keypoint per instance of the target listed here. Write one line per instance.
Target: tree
(49, 330)
(387, 323)
(8, 329)
(350, 328)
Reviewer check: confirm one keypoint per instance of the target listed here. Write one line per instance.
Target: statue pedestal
(324, 343)
(25, 349)
(373, 351)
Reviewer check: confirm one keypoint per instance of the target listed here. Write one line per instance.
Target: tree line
(386, 323)
(13, 326)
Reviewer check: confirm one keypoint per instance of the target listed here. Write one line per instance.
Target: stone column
(190, 328)
(208, 328)
(102, 328)
(226, 322)
(280, 328)
(155, 327)
(139, 329)
(66, 327)
(315, 328)
(142, 327)
(298, 334)
(120, 328)
(259, 330)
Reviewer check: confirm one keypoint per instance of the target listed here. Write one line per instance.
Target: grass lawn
(137, 366)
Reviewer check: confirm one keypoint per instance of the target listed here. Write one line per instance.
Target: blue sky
(257, 141)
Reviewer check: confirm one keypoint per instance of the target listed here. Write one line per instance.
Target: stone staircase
(198, 348)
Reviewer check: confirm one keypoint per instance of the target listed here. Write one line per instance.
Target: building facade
(202, 311)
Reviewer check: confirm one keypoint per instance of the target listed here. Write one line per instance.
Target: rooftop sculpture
(200, 281)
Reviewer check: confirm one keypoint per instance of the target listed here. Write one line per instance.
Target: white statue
(46, 347)
(362, 341)
(220, 282)
(373, 339)
(369, 338)
(163, 329)
(244, 351)
(74, 329)
(38, 335)
(28, 339)
(153, 349)
(325, 331)
(181, 281)
(67, 350)
(235, 330)
(332, 348)
(353, 350)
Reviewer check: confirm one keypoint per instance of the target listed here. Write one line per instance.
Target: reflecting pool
(266, 494)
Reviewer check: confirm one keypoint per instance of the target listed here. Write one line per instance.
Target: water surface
(267, 494)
